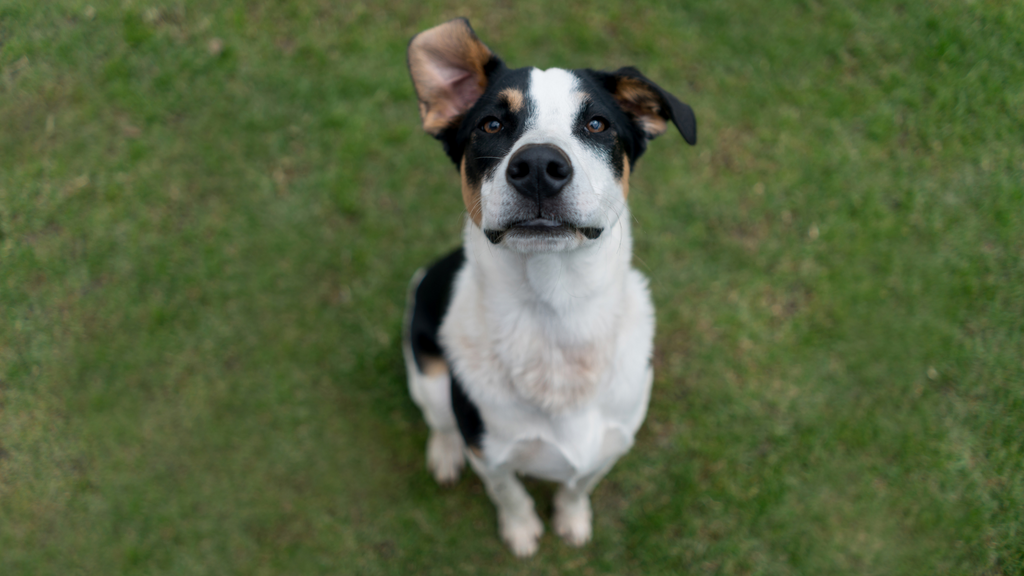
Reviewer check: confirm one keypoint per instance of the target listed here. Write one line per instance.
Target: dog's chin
(542, 235)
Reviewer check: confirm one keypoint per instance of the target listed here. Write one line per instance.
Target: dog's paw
(444, 456)
(521, 533)
(572, 519)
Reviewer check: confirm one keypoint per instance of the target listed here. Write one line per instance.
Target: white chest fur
(554, 350)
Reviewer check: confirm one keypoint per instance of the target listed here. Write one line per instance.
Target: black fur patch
(670, 108)
(483, 151)
(433, 296)
(430, 305)
(623, 136)
(471, 426)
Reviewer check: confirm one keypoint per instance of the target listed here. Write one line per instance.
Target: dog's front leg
(518, 523)
(573, 517)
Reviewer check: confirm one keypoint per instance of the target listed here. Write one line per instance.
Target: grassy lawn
(209, 212)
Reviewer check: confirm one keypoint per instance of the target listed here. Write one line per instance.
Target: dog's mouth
(540, 227)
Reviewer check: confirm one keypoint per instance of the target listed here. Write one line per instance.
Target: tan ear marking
(638, 99)
(447, 63)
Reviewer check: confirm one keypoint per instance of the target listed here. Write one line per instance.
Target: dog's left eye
(491, 125)
(597, 125)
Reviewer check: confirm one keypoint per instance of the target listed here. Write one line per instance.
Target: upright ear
(649, 105)
(448, 68)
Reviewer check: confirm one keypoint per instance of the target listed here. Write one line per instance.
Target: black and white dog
(529, 349)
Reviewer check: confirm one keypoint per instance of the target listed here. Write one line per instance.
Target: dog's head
(545, 155)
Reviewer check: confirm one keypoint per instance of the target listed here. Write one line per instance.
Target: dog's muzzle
(538, 173)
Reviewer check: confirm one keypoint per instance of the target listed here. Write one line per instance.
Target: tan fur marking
(470, 196)
(433, 365)
(625, 176)
(643, 103)
(433, 55)
(513, 97)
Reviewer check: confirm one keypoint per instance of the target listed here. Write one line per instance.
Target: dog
(529, 348)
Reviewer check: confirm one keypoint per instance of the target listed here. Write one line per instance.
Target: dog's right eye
(597, 124)
(491, 125)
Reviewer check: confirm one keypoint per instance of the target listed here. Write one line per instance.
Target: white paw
(572, 519)
(521, 533)
(444, 456)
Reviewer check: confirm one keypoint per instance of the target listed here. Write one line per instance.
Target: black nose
(539, 171)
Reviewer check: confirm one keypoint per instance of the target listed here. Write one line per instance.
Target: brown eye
(491, 125)
(596, 125)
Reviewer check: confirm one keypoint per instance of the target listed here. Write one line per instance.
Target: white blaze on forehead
(556, 99)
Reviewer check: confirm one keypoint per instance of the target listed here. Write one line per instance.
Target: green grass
(204, 250)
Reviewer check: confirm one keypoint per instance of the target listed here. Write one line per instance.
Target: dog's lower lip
(542, 225)
(538, 223)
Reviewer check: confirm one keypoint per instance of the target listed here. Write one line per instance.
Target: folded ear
(448, 68)
(649, 105)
